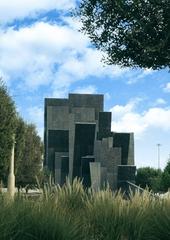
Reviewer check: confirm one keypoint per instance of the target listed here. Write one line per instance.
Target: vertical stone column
(130, 160)
(103, 177)
(58, 167)
(95, 172)
(71, 144)
(11, 176)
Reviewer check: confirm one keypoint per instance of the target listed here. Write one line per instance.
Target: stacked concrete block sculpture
(79, 142)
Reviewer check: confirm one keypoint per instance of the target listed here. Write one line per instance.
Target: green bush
(72, 213)
(104, 216)
(27, 219)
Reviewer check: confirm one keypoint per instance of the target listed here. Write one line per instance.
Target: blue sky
(42, 54)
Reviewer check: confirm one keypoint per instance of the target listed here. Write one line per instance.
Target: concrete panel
(58, 157)
(64, 168)
(113, 158)
(122, 140)
(131, 150)
(57, 176)
(47, 103)
(95, 173)
(56, 102)
(105, 143)
(65, 164)
(64, 176)
(103, 177)
(97, 150)
(85, 170)
(115, 174)
(51, 159)
(84, 143)
(58, 160)
(57, 117)
(126, 173)
(84, 114)
(103, 152)
(71, 143)
(110, 142)
(104, 125)
(110, 179)
(60, 172)
(85, 164)
(87, 100)
(59, 140)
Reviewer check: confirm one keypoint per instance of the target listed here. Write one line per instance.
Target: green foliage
(29, 163)
(137, 216)
(28, 145)
(131, 32)
(104, 216)
(24, 219)
(43, 176)
(7, 129)
(156, 180)
(71, 196)
(166, 177)
(19, 143)
(161, 219)
(149, 177)
(101, 215)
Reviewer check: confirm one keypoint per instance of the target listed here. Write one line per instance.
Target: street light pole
(158, 145)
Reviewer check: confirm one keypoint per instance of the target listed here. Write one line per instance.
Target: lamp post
(158, 146)
(11, 176)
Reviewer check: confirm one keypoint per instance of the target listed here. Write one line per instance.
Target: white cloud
(33, 50)
(150, 127)
(5, 77)
(167, 87)
(120, 110)
(54, 55)
(160, 101)
(158, 117)
(86, 90)
(127, 119)
(60, 92)
(135, 78)
(18, 9)
(107, 96)
(36, 116)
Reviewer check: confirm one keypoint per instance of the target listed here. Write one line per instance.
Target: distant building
(79, 143)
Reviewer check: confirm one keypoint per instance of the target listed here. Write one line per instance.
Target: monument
(79, 143)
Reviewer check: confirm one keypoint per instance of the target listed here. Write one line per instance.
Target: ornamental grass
(71, 212)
